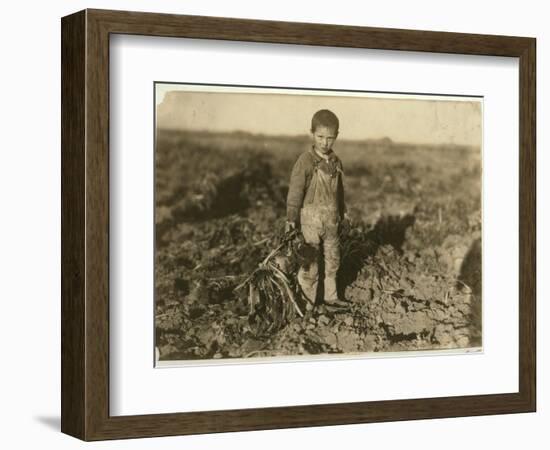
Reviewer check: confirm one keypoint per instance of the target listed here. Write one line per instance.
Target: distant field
(221, 197)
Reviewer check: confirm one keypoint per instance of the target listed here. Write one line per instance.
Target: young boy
(315, 203)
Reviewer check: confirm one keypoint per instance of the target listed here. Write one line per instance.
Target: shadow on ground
(388, 230)
(470, 274)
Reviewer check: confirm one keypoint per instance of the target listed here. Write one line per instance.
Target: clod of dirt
(182, 285)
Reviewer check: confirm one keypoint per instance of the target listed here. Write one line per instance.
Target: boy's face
(323, 138)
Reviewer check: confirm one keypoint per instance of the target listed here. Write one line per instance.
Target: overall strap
(312, 185)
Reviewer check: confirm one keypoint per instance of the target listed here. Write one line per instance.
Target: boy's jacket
(300, 179)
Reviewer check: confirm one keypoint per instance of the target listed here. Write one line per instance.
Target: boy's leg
(308, 278)
(331, 250)
(308, 275)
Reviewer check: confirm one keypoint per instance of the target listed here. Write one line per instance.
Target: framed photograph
(270, 224)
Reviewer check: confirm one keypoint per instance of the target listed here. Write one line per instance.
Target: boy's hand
(345, 224)
(290, 226)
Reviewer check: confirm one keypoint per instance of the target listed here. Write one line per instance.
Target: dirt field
(414, 281)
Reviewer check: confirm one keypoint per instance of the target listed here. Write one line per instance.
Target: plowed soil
(415, 284)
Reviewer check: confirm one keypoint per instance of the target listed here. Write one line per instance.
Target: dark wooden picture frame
(85, 224)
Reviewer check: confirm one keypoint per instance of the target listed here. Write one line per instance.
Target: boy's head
(324, 130)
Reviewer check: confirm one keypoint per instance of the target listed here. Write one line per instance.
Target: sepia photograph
(298, 224)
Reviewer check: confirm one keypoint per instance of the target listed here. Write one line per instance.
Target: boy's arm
(296, 192)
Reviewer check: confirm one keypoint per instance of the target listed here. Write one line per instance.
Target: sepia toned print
(305, 224)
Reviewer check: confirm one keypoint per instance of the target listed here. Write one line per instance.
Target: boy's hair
(324, 118)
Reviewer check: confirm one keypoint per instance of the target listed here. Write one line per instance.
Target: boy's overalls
(319, 219)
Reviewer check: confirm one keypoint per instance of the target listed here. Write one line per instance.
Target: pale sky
(414, 119)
